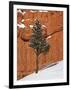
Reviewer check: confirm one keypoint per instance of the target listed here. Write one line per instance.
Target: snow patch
(21, 25)
(54, 72)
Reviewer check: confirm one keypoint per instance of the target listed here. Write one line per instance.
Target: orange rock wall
(26, 57)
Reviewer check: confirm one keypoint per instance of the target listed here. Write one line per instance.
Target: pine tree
(38, 42)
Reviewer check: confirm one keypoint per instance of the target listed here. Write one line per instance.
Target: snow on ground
(54, 72)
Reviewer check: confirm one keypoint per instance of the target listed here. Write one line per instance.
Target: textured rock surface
(52, 21)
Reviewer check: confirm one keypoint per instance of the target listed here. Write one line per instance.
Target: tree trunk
(37, 62)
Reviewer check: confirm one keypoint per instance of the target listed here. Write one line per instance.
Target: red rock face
(51, 21)
(19, 17)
